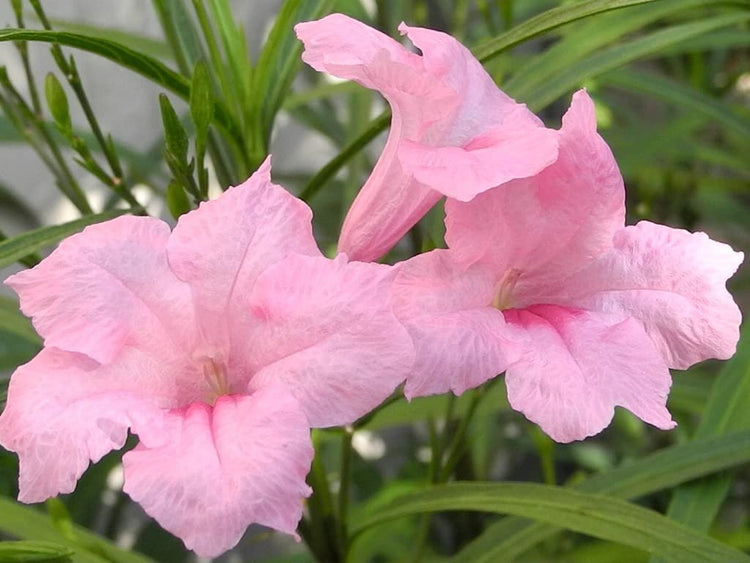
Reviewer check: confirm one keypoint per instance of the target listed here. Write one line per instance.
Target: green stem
(71, 74)
(344, 489)
(66, 181)
(458, 445)
(396, 396)
(322, 525)
(23, 50)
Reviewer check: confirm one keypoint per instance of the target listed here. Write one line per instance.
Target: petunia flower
(453, 132)
(219, 344)
(543, 280)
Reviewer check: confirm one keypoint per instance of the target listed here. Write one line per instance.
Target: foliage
(671, 79)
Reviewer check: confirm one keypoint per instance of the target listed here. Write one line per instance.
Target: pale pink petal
(222, 247)
(345, 47)
(221, 468)
(548, 226)
(326, 329)
(459, 338)
(447, 114)
(65, 410)
(488, 161)
(674, 283)
(107, 287)
(577, 366)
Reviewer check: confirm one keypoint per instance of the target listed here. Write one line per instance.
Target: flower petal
(548, 226)
(64, 410)
(459, 338)
(326, 329)
(447, 115)
(221, 468)
(674, 283)
(222, 247)
(577, 366)
(107, 287)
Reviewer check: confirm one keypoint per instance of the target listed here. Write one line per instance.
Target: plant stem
(68, 68)
(457, 446)
(23, 50)
(343, 515)
(322, 526)
(66, 181)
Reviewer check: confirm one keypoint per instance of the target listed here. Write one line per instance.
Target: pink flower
(453, 132)
(219, 344)
(542, 279)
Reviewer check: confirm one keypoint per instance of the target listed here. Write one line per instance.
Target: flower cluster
(221, 343)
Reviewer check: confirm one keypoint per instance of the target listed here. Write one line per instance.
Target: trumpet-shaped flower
(219, 344)
(543, 280)
(453, 132)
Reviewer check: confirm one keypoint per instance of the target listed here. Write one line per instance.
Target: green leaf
(14, 351)
(595, 515)
(728, 409)
(201, 102)
(280, 58)
(679, 95)
(180, 32)
(124, 56)
(120, 54)
(14, 322)
(34, 551)
(15, 248)
(572, 76)
(671, 466)
(235, 47)
(546, 21)
(29, 524)
(175, 136)
(58, 103)
(201, 110)
(177, 200)
(588, 37)
(156, 48)
(328, 171)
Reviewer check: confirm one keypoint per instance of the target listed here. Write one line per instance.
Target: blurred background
(671, 80)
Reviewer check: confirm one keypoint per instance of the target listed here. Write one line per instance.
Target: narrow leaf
(28, 524)
(680, 95)
(671, 466)
(572, 76)
(280, 57)
(136, 61)
(178, 202)
(14, 322)
(546, 21)
(595, 515)
(201, 101)
(21, 245)
(728, 409)
(175, 136)
(34, 551)
(589, 37)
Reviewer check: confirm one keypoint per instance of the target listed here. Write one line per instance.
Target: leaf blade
(15, 248)
(663, 469)
(592, 514)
